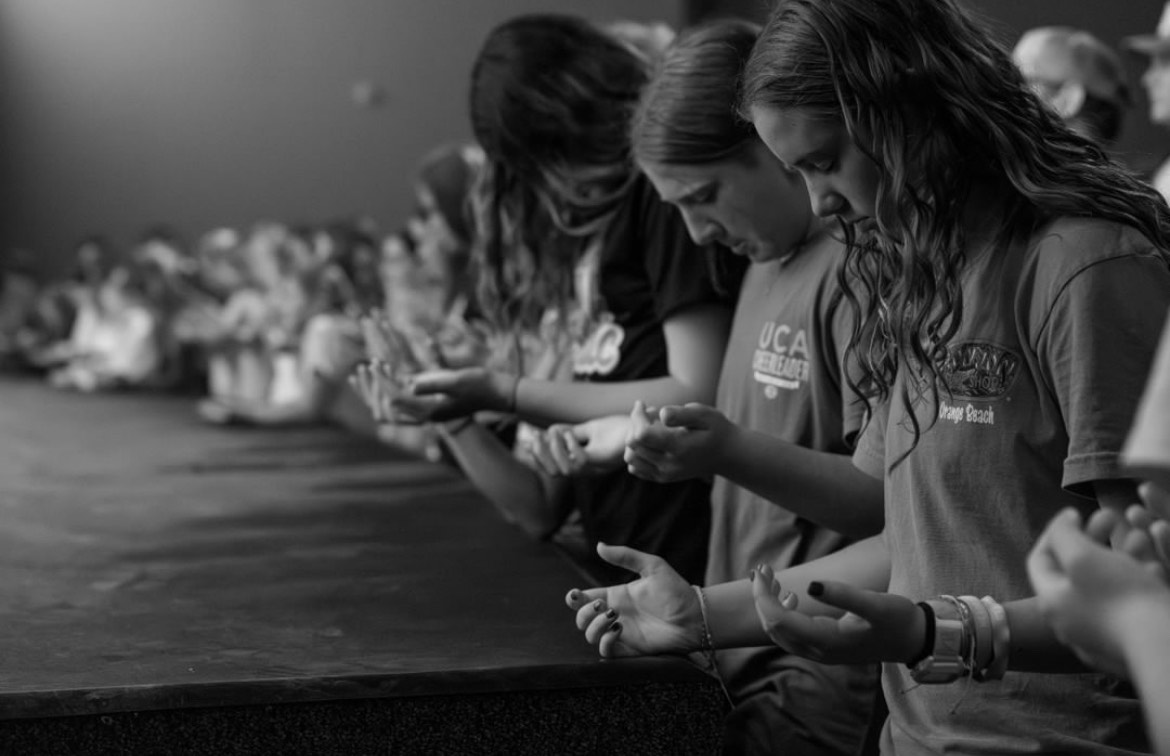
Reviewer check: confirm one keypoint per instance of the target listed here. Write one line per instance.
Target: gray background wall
(117, 114)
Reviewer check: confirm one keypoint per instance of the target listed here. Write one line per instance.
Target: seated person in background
(1079, 77)
(19, 294)
(258, 319)
(1112, 607)
(1156, 81)
(76, 302)
(121, 347)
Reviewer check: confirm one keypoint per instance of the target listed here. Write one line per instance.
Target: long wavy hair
(687, 114)
(939, 107)
(551, 98)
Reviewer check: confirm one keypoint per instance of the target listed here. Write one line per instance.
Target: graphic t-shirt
(782, 375)
(1041, 381)
(647, 270)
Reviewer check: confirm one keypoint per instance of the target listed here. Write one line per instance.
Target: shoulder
(1066, 246)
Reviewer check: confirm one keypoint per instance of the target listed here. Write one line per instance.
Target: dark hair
(549, 93)
(687, 114)
(939, 107)
(1101, 118)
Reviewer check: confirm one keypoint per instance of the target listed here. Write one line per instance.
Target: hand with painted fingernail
(656, 614)
(875, 627)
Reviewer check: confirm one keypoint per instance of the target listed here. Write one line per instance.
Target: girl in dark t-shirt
(566, 223)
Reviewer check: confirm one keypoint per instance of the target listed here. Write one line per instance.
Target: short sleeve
(1096, 347)
(680, 273)
(870, 454)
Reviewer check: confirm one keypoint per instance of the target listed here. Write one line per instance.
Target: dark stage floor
(153, 567)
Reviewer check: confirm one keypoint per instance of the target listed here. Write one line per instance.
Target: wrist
(921, 632)
(505, 387)
(1142, 629)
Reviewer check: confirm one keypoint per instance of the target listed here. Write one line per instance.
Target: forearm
(546, 402)
(522, 496)
(1034, 647)
(1144, 648)
(731, 609)
(823, 488)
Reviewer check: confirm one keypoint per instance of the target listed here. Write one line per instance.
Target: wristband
(946, 662)
(981, 643)
(928, 636)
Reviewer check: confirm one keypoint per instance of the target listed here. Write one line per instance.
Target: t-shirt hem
(1081, 470)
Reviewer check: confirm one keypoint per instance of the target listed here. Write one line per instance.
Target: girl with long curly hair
(1011, 281)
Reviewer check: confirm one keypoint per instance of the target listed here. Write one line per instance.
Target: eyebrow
(688, 196)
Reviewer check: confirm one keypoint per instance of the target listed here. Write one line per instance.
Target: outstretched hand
(439, 395)
(875, 627)
(658, 613)
(1092, 595)
(676, 443)
(594, 446)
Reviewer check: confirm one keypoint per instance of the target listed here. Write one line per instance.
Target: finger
(1066, 540)
(1160, 532)
(538, 448)
(560, 452)
(1140, 517)
(640, 469)
(1156, 499)
(692, 416)
(600, 626)
(434, 382)
(1044, 569)
(650, 457)
(631, 559)
(1102, 526)
(610, 645)
(589, 612)
(577, 598)
(1138, 544)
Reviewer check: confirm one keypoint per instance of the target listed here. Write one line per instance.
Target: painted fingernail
(611, 614)
(574, 595)
(598, 605)
(615, 627)
(815, 588)
(752, 575)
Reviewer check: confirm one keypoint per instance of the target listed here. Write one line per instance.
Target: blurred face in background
(1156, 80)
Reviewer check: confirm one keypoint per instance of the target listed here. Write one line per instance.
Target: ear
(1069, 99)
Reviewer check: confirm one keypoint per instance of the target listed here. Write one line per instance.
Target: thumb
(863, 603)
(630, 559)
(432, 382)
(691, 416)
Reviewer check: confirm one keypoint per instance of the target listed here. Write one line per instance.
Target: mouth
(742, 248)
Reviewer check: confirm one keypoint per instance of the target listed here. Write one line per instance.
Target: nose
(702, 230)
(825, 200)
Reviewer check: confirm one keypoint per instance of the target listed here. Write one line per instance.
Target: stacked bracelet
(966, 636)
(706, 645)
(1001, 640)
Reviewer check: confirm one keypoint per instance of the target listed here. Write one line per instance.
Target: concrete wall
(119, 114)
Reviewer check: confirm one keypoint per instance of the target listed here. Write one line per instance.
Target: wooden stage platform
(168, 587)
